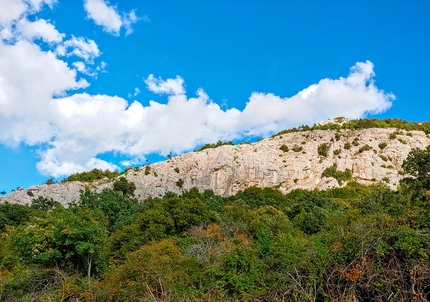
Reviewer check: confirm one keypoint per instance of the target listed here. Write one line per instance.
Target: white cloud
(81, 47)
(30, 78)
(169, 86)
(39, 29)
(108, 17)
(82, 68)
(75, 128)
(50, 165)
(17, 8)
(352, 97)
(129, 19)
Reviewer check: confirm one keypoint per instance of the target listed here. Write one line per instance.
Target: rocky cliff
(288, 161)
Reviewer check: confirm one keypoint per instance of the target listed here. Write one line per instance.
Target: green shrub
(355, 141)
(92, 175)
(382, 145)
(393, 135)
(297, 148)
(50, 181)
(147, 170)
(176, 170)
(218, 144)
(347, 146)
(365, 124)
(337, 136)
(336, 152)
(364, 148)
(323, 149)
(383, 157)
(125, 187)
(284, 148)
(340, 176)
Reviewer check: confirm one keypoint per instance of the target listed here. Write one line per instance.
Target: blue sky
(97, 84)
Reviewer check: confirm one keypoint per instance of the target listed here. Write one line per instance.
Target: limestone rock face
(228, 169)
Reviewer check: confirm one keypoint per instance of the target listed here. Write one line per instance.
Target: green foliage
(171, 216)
(383, 157)
(347, 146)
(297, 148)
(323, 149)
(337, 136)
(394, 134)
(417, 166)
(92, 175)
(147, 170)
(382, 145)
(125, 187)
(180, 183)
(119, 209)
(44, 204)
(176, 170)
(364, 148)
(355, 243)
(355, 142)
(50, 181)
(284, 148)
(13, 215)
(365, 124)
(338, 175)
(218, 144)
(71, 239)
(336, 152)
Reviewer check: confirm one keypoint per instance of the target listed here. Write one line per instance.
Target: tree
(118, 209)
(3, 193)
(417, 166)
(122, 185)
(70, 239)
(44, 203)
(13, 214)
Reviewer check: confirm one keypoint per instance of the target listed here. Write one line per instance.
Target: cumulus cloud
(108, 17)
(29, 79)
(95, 124)
(81, 47)
(352, 97)
(169, 86)
(75, 129)
(40, 29)
(38, 106)
(17, 8)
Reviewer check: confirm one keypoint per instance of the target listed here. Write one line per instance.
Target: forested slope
(356, 243)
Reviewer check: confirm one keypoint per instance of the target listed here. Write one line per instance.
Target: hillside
(359, 242)
(291, 160)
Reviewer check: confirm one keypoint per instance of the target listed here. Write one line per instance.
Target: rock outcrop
(373, 155)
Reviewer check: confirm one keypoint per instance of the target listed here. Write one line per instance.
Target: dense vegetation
(364, 124)
(95, 174)
(218, 144)
(357, 243)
